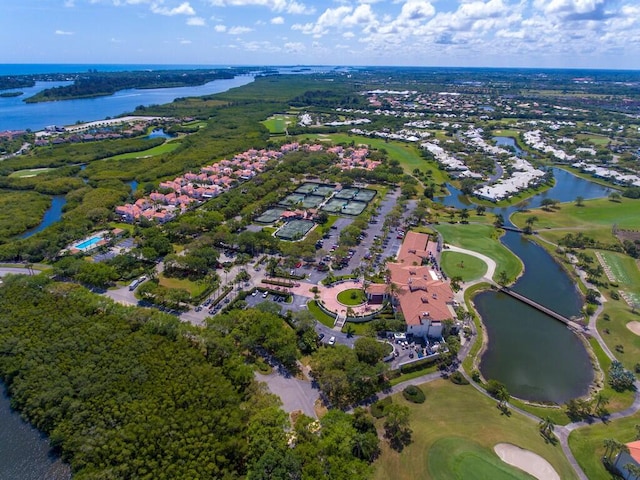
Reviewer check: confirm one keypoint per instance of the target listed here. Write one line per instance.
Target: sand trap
(530, 462)
(634, 327)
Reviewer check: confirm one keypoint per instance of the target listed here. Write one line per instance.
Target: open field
(32, 172)
(194, 288)
(462, 265)
(464, 413)
(588, 447)
(278, 123)
(407, 154)
(152, 152)
(482, 238)
(594, 219)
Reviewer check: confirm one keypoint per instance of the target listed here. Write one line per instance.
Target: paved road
(14, 271)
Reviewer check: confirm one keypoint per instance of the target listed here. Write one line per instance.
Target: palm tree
(547, 426)
(499, 221)
(503, 279)
(530, 221)
(609, 446)
(579, 201)
(464, 215)
(600, 406)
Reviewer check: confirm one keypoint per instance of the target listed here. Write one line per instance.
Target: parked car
(332, 341)
(265, 294)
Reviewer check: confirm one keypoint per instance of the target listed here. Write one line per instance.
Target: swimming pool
(87, 244)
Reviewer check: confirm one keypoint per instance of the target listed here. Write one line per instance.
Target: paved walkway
(491, 263)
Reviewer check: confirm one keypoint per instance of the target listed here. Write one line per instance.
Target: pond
(534, 355)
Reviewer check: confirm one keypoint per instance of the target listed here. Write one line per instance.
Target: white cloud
(288, 6)
(69, 3)
(294, 47)
(239, 30)
(63, 32)
(196, 22)
(338, 18)
(277, 20)
(220, 28)
(182, 9)
(348, 34)
(185, 42)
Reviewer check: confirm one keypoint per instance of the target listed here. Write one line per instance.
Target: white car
(254, 293)
(265, 294)
(332, 341)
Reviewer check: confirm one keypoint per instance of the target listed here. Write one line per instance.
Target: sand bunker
(530, 462)
(634, 327)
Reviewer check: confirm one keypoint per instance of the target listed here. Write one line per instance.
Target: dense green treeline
(76, 153)
(132, 393)
(20, 211)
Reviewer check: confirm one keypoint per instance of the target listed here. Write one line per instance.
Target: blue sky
(509, 33)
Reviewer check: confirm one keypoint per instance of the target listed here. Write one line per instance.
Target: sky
(468, 33)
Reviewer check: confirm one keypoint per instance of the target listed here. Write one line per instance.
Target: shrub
(378, 408)
(475, 375)
(414, 394)
(615, 296)
(619, 378)
(458, 378)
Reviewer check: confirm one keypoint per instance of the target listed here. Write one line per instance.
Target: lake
(15, 114)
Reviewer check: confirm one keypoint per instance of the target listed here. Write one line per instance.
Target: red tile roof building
(423, 298)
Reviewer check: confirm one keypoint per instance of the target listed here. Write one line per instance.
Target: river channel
(534, 355)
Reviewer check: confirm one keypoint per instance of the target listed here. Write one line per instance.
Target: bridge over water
(567, 321)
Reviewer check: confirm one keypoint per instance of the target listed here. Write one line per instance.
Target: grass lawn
(598, 140)
(418, 373)
(317, 312)
(482, 238)
(624, 270)
(152, 152)
(407, 154)
(194, 288)
(352, 296)
(587, 444)
(615, 332)
(594, 219)
(462, 265)
(462, 412)
(455, 457)
(278, 123)
(32, 172)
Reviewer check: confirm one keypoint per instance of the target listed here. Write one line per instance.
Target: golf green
(452, 458)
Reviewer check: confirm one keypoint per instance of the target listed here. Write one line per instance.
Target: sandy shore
(530, 462)
(634, 327)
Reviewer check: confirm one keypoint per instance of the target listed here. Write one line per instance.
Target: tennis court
(346, 193)
(365, 195)
(354, 208)
(335, 205)
(292, 199)
(270, 216)
(312, 201)
(294, 230)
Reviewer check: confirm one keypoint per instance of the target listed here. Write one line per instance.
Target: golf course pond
(537, 357)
